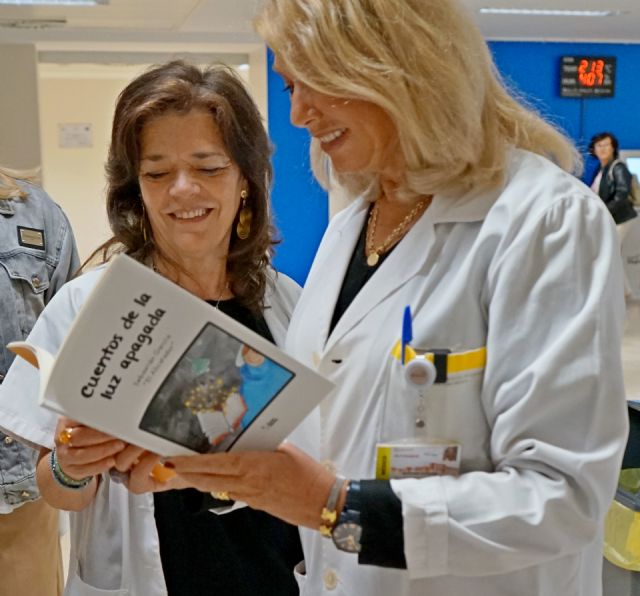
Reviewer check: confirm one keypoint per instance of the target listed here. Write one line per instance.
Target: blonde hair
(9, 187)
(427, 65)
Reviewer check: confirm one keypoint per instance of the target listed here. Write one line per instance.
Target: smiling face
(190, 185)
(357, 135)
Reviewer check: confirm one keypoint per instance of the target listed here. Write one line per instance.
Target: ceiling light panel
(53, 2)
(541, 12)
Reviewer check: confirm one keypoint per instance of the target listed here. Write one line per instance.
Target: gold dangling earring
(243, 229)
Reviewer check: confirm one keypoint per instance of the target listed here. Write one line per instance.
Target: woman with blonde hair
(470, 296)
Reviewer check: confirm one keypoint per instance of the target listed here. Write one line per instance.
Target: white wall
(74, 177)
(86, 94)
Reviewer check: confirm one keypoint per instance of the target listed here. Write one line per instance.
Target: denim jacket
(37, 256)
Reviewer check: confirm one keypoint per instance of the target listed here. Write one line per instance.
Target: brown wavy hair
(182, 87)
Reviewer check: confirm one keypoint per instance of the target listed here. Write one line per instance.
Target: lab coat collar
(475, 205)
(406, 259)
(404, 262)
(469, 207)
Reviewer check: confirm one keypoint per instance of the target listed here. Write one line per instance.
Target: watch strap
(347, 532)
(352, 501)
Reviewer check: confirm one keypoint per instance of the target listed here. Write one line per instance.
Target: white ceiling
(229, 22)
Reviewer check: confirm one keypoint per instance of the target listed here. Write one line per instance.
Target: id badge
(417, 458)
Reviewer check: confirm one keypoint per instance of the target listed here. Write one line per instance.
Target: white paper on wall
(74, 135)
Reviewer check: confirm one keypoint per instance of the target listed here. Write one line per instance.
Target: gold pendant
(372, 259)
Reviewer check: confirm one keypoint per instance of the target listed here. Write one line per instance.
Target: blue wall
(534, 69)
(300, 206)
(531, 68)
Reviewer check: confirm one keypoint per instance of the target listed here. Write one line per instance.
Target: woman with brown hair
(188, 194)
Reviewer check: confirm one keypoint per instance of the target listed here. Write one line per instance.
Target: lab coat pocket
(401, 403)
(76, 587)
(443, 410)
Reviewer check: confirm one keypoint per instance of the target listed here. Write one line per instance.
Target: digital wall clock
(587, 76)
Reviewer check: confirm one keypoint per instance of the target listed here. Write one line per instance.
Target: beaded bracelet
(62, 479)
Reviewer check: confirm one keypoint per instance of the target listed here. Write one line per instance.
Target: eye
(288, 86)
(210, 171)
(154, 175)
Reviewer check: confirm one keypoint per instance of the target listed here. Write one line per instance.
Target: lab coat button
(315, 357)
(330, 578)
(329, 466)
(25, 494)
(35, 280)
(8, 440)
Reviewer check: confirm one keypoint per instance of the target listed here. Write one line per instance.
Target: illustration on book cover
(215, 391)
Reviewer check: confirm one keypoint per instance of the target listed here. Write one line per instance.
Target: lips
(332, 136)
(191, 214)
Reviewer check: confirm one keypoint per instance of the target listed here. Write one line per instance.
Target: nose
(184, 184)
(303, 106)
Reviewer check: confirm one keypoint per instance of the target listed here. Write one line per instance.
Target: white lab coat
(532, 272)
(114, 542)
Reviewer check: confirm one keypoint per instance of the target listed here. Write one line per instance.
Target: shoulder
(281, 290)
(38, 198)
(619, 167)
(74, 293)
(545, 215)
(39, 209)
(535, 186)
(280, 299)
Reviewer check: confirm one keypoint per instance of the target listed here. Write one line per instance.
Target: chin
(340, 167)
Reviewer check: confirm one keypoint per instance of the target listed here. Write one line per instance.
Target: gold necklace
(373, 253)
(224, 290)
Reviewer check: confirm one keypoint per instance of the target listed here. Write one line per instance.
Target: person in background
(188, 185)
(612, 184)
(37, 256)
(510, 268)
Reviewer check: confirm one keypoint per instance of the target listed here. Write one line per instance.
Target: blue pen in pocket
(407, 332)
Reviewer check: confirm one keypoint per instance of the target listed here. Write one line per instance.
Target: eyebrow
(197, 155)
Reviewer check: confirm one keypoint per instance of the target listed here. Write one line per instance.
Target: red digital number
(599, 70)
(591, 73)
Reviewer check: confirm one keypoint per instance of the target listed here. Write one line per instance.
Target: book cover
(156, 366)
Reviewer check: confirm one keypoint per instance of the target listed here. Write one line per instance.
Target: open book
(154, 365)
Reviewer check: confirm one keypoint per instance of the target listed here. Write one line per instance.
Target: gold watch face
(346, 536)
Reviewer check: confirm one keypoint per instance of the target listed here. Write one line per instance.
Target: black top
(358, 274)
(382, 538)
(615, 190)
(242, 553)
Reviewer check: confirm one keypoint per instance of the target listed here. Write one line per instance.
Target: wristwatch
(347, 532)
